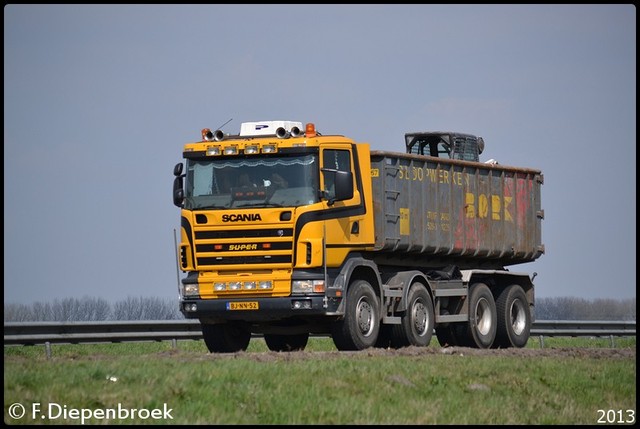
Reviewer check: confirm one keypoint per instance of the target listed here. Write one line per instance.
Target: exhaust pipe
(218, 136)
(209, 136)
(282, 133)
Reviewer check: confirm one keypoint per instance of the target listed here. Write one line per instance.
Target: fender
(503, 278)
(404, 279)
(364, 268)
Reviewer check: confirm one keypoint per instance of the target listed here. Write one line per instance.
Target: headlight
(191, 289)
(265, 284)
(307, 286)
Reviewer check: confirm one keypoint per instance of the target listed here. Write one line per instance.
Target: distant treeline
(154, 308)
(88, 309)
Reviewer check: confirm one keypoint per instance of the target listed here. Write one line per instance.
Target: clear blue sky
(99, 100)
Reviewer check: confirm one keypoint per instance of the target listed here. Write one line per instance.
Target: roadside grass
(351, 388)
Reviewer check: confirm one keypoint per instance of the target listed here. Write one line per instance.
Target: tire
(416, 326)
(483, 317)
(226, 337)
(286, 343)
(514, 318)
(359, 328)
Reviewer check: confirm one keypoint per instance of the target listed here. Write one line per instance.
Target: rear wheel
(481, 329)
(514, 318)
(226, 337)
(416, 327)
(359, 328)
(286, 343)
(483, 317)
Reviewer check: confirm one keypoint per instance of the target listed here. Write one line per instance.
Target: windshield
(274, 181)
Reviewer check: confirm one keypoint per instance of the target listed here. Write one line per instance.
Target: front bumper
(259, 309)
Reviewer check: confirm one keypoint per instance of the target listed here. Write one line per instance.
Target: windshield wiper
(261, 204)
(207, 207)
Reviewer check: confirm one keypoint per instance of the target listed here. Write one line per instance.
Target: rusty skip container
(445, 211)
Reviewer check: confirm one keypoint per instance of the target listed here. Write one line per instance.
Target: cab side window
(334, 159)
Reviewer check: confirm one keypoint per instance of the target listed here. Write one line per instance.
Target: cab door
(343, 212)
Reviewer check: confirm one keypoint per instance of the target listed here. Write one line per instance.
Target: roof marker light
(251, 149)
(231, 150)
(310, 130)
(269, 148)
(213, 150)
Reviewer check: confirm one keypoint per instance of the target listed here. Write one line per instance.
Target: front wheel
(286, 343)
(226, 337)
(359, 328)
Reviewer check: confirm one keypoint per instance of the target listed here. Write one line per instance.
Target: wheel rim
(419, 316)
(364, 316)
(483, 316)
(518, 317)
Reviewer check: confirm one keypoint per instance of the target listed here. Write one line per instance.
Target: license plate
(250, 305)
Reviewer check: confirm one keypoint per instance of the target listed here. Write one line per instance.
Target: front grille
(244, 247)
(232, 247)
(244, 233)
(232, 260)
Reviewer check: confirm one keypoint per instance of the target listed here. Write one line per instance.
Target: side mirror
(178, 185)
(178, 191)
(339, 185)
(344, 185)
(177, 170)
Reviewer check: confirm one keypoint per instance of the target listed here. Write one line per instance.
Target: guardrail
(37, 333)
(34, 333)
(574, 328)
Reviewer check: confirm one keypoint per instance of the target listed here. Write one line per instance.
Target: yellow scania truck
(287, 232)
